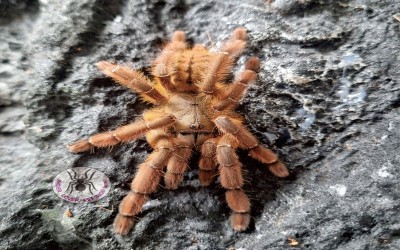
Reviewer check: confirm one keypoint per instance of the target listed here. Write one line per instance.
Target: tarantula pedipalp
(194, 109)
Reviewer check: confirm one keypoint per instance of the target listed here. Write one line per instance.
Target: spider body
(191, 112)
(194, 110)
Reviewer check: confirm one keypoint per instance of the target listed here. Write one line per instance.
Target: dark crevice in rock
(11, 10)
(304, 7)
(101, 12)
(326, 45)
(58, 104)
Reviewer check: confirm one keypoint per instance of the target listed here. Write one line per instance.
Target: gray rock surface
(327, 100)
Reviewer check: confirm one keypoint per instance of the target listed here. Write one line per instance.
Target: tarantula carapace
(194, 109)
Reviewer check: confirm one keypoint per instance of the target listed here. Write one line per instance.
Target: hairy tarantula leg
(232, 180)
(133, 80)
(249, 141)
(125, 133)
(179, 161)
(239, 85)
(217, 69)
(208, 164)
(178, 42)
(223, 61)
(165, 64)
(265, 155)
(235, 46)
(146, 180)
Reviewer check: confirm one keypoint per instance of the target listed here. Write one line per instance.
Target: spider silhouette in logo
(79, 182)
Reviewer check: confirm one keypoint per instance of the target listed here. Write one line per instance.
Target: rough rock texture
(327, 100)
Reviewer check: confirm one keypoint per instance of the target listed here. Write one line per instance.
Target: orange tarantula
(194, 109)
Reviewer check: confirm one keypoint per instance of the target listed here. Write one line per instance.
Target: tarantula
(194, 109)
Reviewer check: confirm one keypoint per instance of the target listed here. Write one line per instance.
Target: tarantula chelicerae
(194, 109)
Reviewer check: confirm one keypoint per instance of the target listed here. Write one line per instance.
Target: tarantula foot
(80, 146)
(253, 63)
(240, 221)
(263, 154)
(207, 177)
(240, 34)
(172, 180)
(179, 36)
(123, 224)
(132, 204)
(279, 169)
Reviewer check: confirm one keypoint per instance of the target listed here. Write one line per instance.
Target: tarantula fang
(194, 108)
